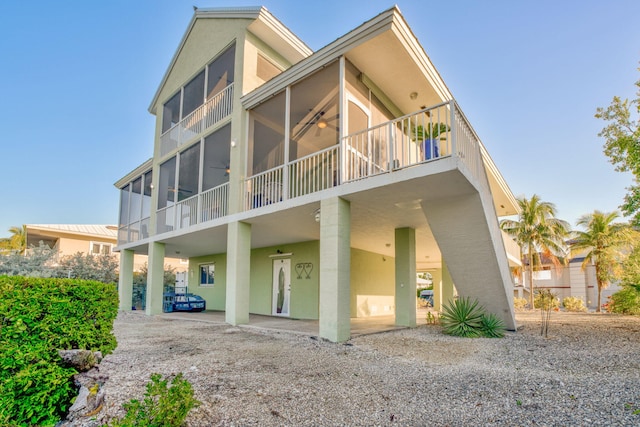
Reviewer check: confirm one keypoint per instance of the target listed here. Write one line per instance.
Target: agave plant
(492, 326)
(462, 318)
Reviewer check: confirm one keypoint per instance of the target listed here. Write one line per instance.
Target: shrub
(462, 318)
(466, 318)
(519, 303)
(162, 406)
(40, 316)
(492, 326)
(573, 304)
(625, 301)
(545, 300)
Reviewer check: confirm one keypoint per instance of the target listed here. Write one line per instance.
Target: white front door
(281, 286)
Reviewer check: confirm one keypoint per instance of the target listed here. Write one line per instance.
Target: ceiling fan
(321, 122)
(225, 167)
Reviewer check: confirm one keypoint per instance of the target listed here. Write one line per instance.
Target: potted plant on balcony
(428, 136)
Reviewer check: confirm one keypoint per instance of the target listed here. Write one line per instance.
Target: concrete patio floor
(359, 326)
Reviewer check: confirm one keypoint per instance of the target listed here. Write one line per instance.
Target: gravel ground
(586, 373)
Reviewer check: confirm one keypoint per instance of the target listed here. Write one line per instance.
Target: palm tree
(604, 240)
(538, 232)
(17, 242)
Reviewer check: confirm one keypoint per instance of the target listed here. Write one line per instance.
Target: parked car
(427, 296)
(183, 302)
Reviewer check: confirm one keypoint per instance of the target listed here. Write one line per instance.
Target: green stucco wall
(304, 291)
(372, 281)
(214, 295)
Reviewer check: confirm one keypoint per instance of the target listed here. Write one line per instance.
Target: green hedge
(40, 316)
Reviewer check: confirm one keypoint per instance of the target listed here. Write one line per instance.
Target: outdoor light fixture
(317, 215)
(413, 95)
(322, 123)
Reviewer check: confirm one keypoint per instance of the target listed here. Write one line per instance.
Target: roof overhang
(386, 51)
(143, 168)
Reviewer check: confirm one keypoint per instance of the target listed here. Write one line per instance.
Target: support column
(125, 280)
(238, 273)
(405, 242)
(436, 282)
(447, 285)
(335, 269)
(155, 278)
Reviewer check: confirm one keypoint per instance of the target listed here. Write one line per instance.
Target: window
(100, 248)
(207, 273)
(218, 75)
(193, 95)
(314, 113)
(220, 72)
(189, 172)
(166, 193)
(215, 170)
(267, 134)
(171, 112)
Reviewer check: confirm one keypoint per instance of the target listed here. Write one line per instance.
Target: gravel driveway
(586, 373)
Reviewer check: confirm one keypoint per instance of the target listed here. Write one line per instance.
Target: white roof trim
(143, 168)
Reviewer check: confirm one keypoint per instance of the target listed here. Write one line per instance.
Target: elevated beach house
(314, 185)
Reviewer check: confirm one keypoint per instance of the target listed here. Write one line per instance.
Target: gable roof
(265, 25)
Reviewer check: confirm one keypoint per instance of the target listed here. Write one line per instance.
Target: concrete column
(155, 278)
(125, 280)
(447, 285)
(436, 276)
(405, 242)
(238, 273)
(335, 269)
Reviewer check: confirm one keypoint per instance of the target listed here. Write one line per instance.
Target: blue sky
(77, 78)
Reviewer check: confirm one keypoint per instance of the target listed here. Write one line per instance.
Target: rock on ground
(586, 373)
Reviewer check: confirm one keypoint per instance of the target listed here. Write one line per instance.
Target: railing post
(452, 104)
(391, 148)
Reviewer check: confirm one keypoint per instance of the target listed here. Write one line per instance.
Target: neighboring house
(307, 184)
(569, 280)
(70, 239)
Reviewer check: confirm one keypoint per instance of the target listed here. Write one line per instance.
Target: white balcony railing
(315, 172)
(427, 135)
(264, 188)
(208, 114)
(394, 145)
(203, 207)
(134, 231)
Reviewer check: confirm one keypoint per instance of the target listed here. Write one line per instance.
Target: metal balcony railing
(427, 135)
(208, 114)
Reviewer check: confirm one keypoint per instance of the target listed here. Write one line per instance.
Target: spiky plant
(462, 318)
(492, 326)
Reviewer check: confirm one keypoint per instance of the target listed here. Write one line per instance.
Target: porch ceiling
(379, 205)
(395, 69)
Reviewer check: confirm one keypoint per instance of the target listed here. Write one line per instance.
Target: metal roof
(106, 231)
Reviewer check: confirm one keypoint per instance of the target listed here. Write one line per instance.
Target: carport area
(359, 326)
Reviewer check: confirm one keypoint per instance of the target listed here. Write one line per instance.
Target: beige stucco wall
(372, 284)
